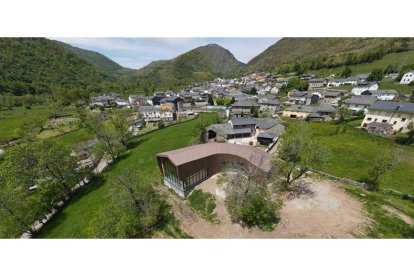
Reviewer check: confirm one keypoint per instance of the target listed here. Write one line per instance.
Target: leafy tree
(109, 141)
(295, 83)
(342, 114)
(119, 119)
(58, 168)
(233, 100)
(380, 166)
(347, 72)
(376, 75)
(254, 110)
(248, 199)
(135, 209)
(210, 100)
(298, 152)
(161, 124)
(252, 91)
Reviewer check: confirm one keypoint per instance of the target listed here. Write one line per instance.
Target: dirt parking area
(321, 209)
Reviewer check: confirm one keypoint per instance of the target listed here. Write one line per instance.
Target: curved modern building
(185, 168)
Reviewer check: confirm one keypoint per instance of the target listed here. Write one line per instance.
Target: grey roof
(242, 131)
(222, 129)
(317, 80)
(393, 106)
(298, 94)
(362, 100)
(245, 103)
(266, 123)
(301, 108)
(243, 121)
(267, 135)
(277, 129)
(366, 84)
(333, 94)
(326, 108)
(268, 102)
(381, 92)
(148, 108)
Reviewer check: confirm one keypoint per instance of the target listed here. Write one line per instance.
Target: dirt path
(399, 214)
(324, 210)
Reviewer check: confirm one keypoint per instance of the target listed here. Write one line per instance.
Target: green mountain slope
(316, 53)
(38, 65)
(96, 59)
(202, 63)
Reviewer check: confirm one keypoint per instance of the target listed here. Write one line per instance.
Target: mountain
(316, 53)
(40, 65)
(94, 58)
(199, 64)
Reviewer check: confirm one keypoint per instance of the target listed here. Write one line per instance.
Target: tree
(254, 110)
(109, 141)
(342, 114)
(210, 100)
(119, 118)
(233, 100)
(298, 152)
(161, 124)
(381, 165)
(376, 75)
(347, 72)
(58, 169)
(135, 209)
(18, 208)
(248, 199)
(253, 91)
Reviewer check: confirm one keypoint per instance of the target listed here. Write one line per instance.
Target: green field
(354, 150)
(73, 220)
(402, 58)
(12, 120)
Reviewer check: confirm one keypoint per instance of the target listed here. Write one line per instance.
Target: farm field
(353, 151)
(72, 222)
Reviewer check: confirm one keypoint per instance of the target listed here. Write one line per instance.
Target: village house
(407, 78)
(136, 125)
(331, 97)
(137, 100)
(317, 83)
(359, 103)
(301, 97)
(244, 106)
(155, 114)
(383, 95)
(270, 103)
(280, 82)
(396, 114)
(361, 87)
(304, 112)
(154, 100)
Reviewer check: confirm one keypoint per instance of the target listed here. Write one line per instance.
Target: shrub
(204, 203)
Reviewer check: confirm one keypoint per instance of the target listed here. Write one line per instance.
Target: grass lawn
(77, 136)
(389, 59)
(204, 203)
(12, 120)
(384, 224)
(353, 151)
(73, 220)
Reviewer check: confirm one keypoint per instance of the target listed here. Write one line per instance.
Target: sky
(138, 52)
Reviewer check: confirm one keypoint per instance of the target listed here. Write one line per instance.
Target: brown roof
(257, 157)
